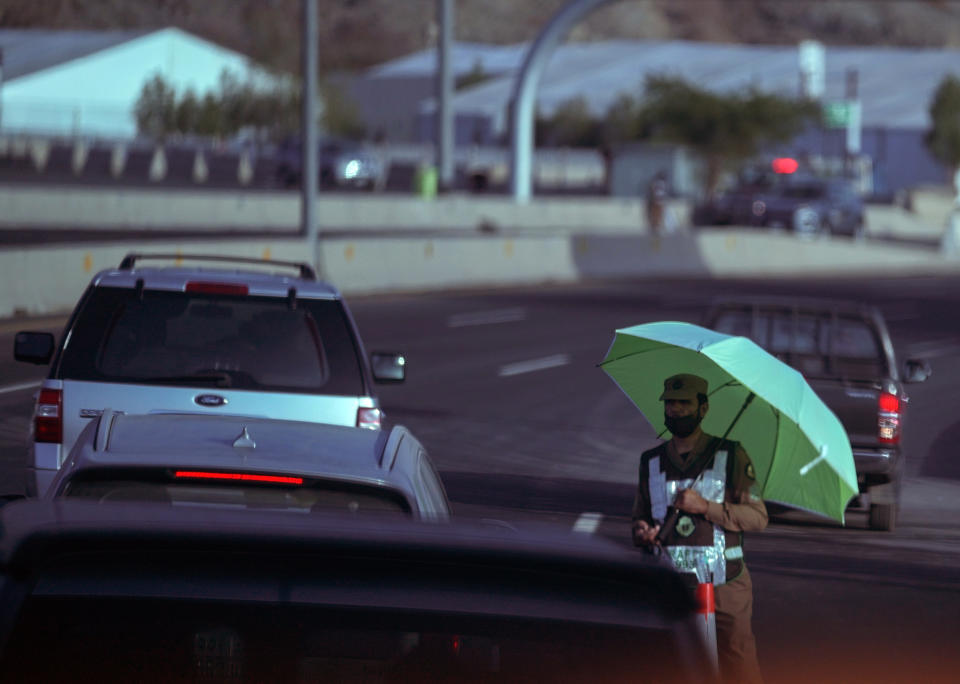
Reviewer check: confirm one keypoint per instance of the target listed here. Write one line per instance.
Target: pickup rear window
(816, 344)
(243, 342)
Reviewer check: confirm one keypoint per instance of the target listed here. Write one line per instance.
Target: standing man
(657, 204)
(714, 511)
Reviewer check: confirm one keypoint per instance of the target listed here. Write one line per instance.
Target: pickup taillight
(888, 418)
(370, 418)
(48, 417)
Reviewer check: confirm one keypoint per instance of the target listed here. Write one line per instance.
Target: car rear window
(243, 342)
(320, 496)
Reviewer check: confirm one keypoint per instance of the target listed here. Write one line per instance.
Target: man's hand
(644, 534)
(690, 501)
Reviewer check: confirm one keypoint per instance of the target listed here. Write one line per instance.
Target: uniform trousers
(736, 647)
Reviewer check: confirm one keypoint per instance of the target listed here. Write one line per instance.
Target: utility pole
(1, 88)
(444, 113)
(852, 147)
(308, 134)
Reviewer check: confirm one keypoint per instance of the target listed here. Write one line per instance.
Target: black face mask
(684, 426)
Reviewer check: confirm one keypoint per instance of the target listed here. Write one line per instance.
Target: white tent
(86, 83)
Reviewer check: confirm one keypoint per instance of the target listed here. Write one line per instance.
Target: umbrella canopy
(799, 449)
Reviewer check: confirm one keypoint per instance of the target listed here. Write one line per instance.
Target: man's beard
(683, 426)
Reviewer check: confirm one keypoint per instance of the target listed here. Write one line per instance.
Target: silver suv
(206, 341)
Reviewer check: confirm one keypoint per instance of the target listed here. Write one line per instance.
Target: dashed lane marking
(487, 317)
(534, 365)
(588, 523)
(21, 386)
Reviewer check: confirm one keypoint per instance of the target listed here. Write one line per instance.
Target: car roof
(176, 278)
(311, 450)
(839, 306)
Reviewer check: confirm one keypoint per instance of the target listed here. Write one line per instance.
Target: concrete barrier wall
(43, 280)
(104, 208)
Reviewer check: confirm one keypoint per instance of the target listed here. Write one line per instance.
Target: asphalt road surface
(504, 391)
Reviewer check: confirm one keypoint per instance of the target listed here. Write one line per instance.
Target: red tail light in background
(371, 418)
(784, 165)
(48, 419)
(888, 418)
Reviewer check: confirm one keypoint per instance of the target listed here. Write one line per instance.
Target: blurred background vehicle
(236, 462)
(251, 596)
(343, 164)
(805, 204)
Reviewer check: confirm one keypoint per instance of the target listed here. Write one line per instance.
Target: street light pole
(308, 127)
(444, 112)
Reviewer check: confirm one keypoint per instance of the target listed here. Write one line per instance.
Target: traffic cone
(707, 620)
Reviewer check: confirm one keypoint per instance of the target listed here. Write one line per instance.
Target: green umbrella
(799, 448)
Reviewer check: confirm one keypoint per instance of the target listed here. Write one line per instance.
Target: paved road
(505, 393)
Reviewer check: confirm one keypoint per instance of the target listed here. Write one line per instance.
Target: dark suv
(807, 205)
(844, 351)
(190, 339)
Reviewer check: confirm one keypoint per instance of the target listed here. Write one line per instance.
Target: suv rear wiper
(222, 378)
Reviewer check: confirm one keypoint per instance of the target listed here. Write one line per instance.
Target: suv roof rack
(306, 270)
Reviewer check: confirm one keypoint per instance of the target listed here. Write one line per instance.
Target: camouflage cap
(683, 386)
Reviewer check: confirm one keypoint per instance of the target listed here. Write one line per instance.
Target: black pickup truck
(844, 351)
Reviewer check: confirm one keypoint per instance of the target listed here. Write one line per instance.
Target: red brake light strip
(245, 477)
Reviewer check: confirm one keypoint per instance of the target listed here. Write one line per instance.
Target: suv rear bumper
(876, 461)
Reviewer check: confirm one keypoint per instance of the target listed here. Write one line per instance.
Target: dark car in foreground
(146, 593)
(809, 206)
(844, 351)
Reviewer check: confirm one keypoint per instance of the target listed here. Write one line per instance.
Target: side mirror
(388, 368)
(917, 370)
(33, 347)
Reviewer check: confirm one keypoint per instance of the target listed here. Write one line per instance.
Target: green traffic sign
(837, 114)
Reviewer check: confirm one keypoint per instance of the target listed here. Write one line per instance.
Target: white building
(86, 83)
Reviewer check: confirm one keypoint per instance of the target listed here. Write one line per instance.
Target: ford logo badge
(210, 400)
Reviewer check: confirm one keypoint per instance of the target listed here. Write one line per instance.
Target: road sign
(837, 114)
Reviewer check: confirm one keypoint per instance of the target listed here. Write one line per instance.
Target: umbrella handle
(670, 522)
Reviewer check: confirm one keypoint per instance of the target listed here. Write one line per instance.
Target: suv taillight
(369, 418)
(888, 418)
(48, 419)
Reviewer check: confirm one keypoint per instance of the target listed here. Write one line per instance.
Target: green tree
(723, 129)
(572, 124)
(624, 122)
(943, 138)
(156, 108)
(340, 115)
(471, 78)
(187, 113)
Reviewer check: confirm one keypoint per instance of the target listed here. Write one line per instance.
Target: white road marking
(932, 349)
(588, 523)
(533, 365)
(486, 317)
(21, 386)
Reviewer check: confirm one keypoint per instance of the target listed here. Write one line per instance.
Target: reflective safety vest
(696, 545)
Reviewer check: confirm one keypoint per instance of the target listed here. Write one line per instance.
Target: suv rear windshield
(242, 342)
